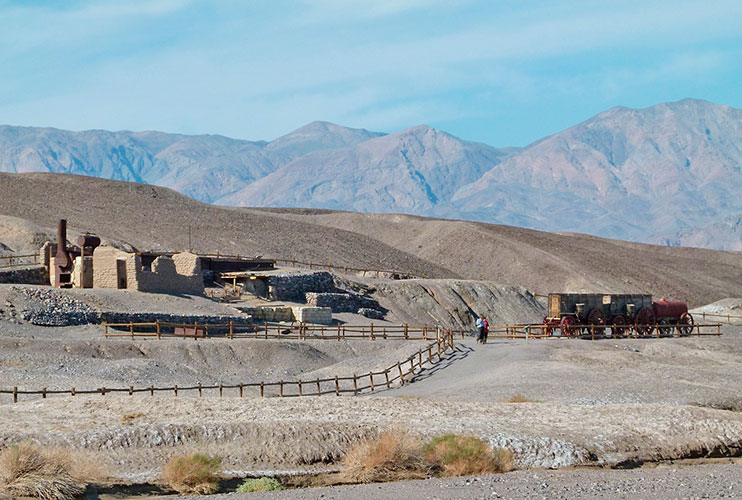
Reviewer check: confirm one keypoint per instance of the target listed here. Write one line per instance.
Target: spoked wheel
(685, 325)
(618, 326)
(567, 325)
(665, 328)
(644, 321)
(595, 321)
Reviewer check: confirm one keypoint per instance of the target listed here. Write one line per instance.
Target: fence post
(371, 380)
(319, 389)
(72, 391)
(157, 325)
(338, 331)
(372, 332)
(199, 389)
(386, 376)
(280, 388)
(102, 391)
(401, 375)
(240, 390)
(105, 332)
(221, 390)
(231, 330)
(300, 394)
(355, 385)
(262, 389)
(337, 386)
(406, 333)
(420, 358)
(175, 390)
(195, 330)
(151, 390)
(15, 394)
(266, 330)
(131, 390)
(43, 393)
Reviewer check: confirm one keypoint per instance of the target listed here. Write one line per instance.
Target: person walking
(485, 329)
(480, 329)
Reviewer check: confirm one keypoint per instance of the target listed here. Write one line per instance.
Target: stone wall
(270, 313)
(30, 276)
(293, 287)
(318, 315)
(340, 302)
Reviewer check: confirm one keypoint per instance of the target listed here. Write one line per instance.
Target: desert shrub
(261, 484)
(193, 474)
(393, 456)
(463, 455)
(518, 398)
(27, 470)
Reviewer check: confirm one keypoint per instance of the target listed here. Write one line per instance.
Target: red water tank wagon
(666, 309)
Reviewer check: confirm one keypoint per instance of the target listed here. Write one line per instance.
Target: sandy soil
(666, 482)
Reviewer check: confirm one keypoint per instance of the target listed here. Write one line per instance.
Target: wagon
(597, 313)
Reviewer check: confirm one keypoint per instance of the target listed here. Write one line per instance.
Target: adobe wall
(165, 276)
(318, 315)
(104, 266)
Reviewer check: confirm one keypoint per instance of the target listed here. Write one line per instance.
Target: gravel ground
(662, 483)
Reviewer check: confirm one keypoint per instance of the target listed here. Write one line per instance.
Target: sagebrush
(28, 470)
(460, 455)
(260, 484)
(193, 474)
(393, 456)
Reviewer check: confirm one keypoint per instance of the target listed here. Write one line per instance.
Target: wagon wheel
(548, 327)
(665, 327)
(567, 326)
(595, 321)
(644, 321)
(618, 328)
(685, 324)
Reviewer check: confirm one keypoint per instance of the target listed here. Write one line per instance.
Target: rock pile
(47, 307)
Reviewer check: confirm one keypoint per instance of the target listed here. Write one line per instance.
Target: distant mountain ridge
(667, 173)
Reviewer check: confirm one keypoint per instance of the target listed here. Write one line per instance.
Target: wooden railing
(268, 330)
(13, 261)
(730, 318)
(594, 331)
(401, 371)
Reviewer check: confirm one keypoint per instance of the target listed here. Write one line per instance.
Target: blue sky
(505, 73)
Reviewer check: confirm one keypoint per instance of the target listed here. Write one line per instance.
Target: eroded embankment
(137, 434)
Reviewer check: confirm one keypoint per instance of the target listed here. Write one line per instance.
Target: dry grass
(464, 455)
(27, 470)
(194, 474)
(518, 398)
(393, 456)
(128, 418)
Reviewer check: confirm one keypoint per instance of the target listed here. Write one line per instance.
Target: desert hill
(150, 217)
(667, 174)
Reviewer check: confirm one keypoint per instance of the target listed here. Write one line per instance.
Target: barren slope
(151, 217)
(548, 262)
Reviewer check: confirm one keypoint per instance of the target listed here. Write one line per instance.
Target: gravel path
(662, 483)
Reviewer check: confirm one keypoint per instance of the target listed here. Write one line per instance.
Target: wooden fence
(268, 330)
(402, 371)
(12, 261)
(730, 319)
(592, 331)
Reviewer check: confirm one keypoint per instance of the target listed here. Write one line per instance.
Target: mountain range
(668, 174)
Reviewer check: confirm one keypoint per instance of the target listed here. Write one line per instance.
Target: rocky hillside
(413, 171)
(150, 217)
(626, 173)
(667, 173)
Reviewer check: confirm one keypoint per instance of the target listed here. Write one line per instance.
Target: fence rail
(597, 331)
(728, 317)
(12, 261)
(402, 371)
(268, 330)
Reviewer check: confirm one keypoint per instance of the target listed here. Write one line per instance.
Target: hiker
(480, 329)
(485, 329)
